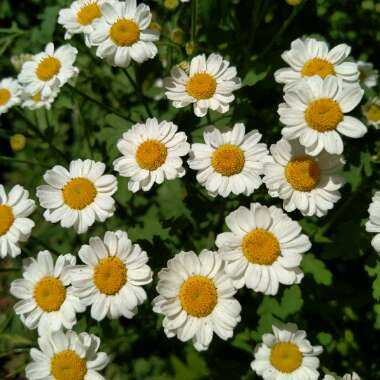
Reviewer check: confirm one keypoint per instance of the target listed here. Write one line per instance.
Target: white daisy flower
(123, 33)
(79, 17)
(47, 299)
(368, 75)
(229, 161)
(197, 299)
(347, 376)
(209, 84)
(262, 249)
(286, 354)
(371, 111)
(373, 224)
(151, 153)
(37, 101)
(112, 279)
(307, 183)
(308, 57)
(10, 94)
(67, 356)
(49, 69)
(15, 226)
(79, 196)
(314, 113)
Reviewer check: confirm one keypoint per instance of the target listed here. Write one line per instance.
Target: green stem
(17, 160)
(44, 245)
(194, 17)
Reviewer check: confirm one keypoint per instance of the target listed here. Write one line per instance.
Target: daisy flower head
(196, 298)
(315, 113)
(15, 226)
(373, 224)
(371, 111)
(347, 376)
(79, 196)
(49, 69)
(230, 161)
(123, 33)
(46, 298)
(67, 356)
(37, 101)
(309, 57)
(307, 183)
(286, 354)
(112, 279)
(10, 94)
(208, 85)
(262, 249)
(151, 152)
(368, 75)
(80, 17)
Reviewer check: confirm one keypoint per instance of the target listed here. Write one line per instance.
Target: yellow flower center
(88, 14)
(18, 142)
(5, 95)
(36, 97)
(124, 32)
(49, 294)
(68, 365)
(110, 275)
(286, 357)
(373, 113)
(47, 68)
(303, 173)
(228, 160)
(323, 115)
(151, 154)
(79, 193)
(201, 86)
(261, 247)
(6, 219)
(318, 66)
(198, 296)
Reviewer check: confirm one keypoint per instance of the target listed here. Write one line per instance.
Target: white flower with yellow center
(47, 299)
(10, 94)
(15, 226)
(112, 279)
(49, 69)
(197, 299)
(309, 57)
(67, 356)
(373, 224)
(353, 376)
(262, 249)
(314, 113)
(371, 111)
(37, 101)
(307, 183)
(208, 85)
(286, 355)
(79, 196)
(151, 153)
(229, 161)
(123, 33)
(368, 75)
(79, 18)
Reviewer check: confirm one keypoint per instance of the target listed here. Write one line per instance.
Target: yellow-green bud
(18, 142)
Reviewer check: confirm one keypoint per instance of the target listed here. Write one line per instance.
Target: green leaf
(317, 269)
(256, 74)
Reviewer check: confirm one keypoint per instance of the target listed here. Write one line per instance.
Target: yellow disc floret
(6, 219)
(49, 294)
(201, 86)
(5, 96)
(88, 14)
(124, 32)
(318, 66)
(303, 174)
(151, 154)
(48, 68)
(373, 113)
(323, 115)
(286, 357)
(110, 275)
(228, 160)
(18, 142)
(79, 193)
(198, 296)
(68, 365)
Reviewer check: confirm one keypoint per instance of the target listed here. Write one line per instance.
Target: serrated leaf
(317, 269)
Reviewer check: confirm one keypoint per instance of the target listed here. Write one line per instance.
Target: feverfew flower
(112, 279)
(15, 226)
(47, 299)
(151, 153)
(123, 33)
(262, 249)
(230, 161)
(10, 94)
(373, 224)
(308, 57)
(209, 85)
(196, 298)
(79, 196)
(353, 376)
(371, 111)
(286, 354)
(50, 69)
(315, 113)
(368, 76)
(67, 356)
(37, 100)
(307, 183)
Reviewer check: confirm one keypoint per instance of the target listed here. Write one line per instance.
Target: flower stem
(194, 17)
(17, 160)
